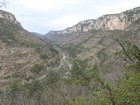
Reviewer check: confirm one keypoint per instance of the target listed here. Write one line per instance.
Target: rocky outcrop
(118, 21)
(9, 17)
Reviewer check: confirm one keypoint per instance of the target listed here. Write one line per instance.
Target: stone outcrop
(9, 17)
(118, 21)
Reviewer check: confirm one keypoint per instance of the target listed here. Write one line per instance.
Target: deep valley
(95, 62)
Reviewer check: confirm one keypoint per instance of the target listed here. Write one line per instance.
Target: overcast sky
(44, 15)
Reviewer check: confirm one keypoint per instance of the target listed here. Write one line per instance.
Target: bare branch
(3, 3)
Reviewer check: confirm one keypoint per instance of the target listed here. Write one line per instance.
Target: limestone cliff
(118, 21)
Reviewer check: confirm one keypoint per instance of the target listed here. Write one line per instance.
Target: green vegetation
(12, 34)
(128, 91)
(44, 56)
(18, 75)
(102, 56)
(82, 86)
(54, 50)
(52, 78)
(78, 89)
(73, 50)
(37, 68)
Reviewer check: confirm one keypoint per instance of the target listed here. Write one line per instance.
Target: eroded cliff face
(118, 21)
(9, 17)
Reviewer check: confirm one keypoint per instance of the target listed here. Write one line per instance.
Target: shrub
(44, 56)
(37, 68)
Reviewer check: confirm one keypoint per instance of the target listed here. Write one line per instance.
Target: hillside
(118, 21)
(108, 53)
(23, 57)
(95, 62)
(93, 41)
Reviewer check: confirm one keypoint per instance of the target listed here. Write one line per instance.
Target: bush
(15, 86)
(44, 56)
(52, 78)
(37, 68)
(128, 92)
(54, 50)
(34, 87)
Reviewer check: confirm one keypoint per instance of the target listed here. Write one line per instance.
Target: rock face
(118, 21)
(93, 41)
(9, 17)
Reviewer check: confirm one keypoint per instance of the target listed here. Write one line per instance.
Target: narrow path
(63, 60)
(29, 64)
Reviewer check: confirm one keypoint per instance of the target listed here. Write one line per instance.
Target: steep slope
(95, 42)
(13, 34)
(81, 84)
(118, 21)
(23, 57)
(9, 17)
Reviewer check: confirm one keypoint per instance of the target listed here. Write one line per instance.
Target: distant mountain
(41, 36)
(93, 40)
(36, 34)
(118, 21)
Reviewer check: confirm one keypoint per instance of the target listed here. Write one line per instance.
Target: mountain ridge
(118, 21)
(23, 56)
(9, 17)
(97, 46)
(83, 69)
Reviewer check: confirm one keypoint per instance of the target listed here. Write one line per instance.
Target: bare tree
(3, 3)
